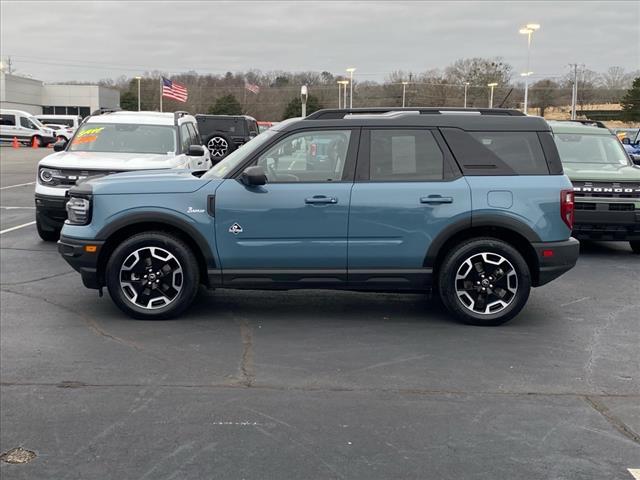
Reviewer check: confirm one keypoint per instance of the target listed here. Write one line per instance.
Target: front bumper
(86, 263)
(554, 259)
(51, 211)
(600, 222)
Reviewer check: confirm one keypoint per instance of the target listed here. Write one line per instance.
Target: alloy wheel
(151, 277)
(218, 147)
(486, 283)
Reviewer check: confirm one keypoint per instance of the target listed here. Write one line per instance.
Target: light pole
(466, 86)
(492, 86)
(339, 82)
(350, 71)
(304, 94)
(138, 78)
(528, 30)
(344, 83)
(404, 91)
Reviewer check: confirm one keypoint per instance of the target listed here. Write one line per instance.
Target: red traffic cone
(15, 143)
(35, 143)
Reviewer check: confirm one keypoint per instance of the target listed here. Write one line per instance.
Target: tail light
(567, 207)
(314, 149)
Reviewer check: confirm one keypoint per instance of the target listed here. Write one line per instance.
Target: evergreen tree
(294, 107)
(226, 105)
(631, 103)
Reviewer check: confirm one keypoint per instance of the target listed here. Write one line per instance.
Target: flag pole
(161, 82)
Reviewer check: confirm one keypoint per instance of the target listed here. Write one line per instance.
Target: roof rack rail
(587, 122)
(337, 113)
(102, 111)
(178, 115)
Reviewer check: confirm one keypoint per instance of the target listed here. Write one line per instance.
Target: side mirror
(253, 176)
(59, 145)
(626, 141)
(195, 151)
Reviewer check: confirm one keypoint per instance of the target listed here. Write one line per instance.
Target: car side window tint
(405, 155)
(193, 133)
(7, 120)
(26, 123)
(185, 137)
(310, 156)
(521, 151)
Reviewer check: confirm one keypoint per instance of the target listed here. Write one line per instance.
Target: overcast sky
(59, 41)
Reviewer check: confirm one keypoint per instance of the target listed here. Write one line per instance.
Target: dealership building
(37, 97)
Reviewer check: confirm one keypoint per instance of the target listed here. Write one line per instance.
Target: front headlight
(78, 211)
(49, 176)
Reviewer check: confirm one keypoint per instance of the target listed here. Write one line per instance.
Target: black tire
(219, 146)
(635, 245)
(478, 272)
(46, 234)
(182, 265)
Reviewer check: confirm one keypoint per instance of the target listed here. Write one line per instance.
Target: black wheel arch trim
(477, 221)
(160, 218)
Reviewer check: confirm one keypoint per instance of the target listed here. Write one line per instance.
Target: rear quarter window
(497, 153)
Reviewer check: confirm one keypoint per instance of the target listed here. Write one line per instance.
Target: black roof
(484, 119)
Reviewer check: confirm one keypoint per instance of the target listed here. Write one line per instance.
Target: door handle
(320, 199)
(436, 200)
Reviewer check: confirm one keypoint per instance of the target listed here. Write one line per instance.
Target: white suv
(64, 126)
(25, 128)
(114, 142)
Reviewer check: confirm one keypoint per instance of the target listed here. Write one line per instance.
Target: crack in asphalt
(247, 371)
(320, 388)
(90, 322)
(26, 282)
(614, 421)
(29, 250)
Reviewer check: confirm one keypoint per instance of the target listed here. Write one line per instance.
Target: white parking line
(635, 472)
(16, 208)
(18, 185)
(2, 232)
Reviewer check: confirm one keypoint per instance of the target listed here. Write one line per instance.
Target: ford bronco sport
(113, 142)
(471, 204)
(605, 181)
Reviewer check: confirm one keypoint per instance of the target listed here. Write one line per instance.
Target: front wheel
(152, 275)
(635, 245)
(484, 281)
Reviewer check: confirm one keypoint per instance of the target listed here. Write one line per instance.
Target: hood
(144, 182)
(601, 172)
(109, 161)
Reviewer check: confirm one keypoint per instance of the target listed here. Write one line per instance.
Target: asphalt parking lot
(312, 384)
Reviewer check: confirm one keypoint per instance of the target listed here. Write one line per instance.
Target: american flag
(252, 88)
(174, 90)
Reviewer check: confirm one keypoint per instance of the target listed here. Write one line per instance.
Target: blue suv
(472, 204)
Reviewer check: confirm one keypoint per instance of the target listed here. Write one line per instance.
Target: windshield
(124, 138)
(234, 159)
(579, 148)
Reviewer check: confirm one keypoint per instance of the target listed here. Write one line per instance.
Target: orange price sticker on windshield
(87, 136)
(84, 139)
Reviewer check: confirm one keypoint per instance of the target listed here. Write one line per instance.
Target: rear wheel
(484, 281)
(635, 246)
(152, 275)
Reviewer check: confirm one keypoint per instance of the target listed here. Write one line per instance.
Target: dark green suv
(605, 181)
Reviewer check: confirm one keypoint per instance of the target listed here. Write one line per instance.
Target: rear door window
(405, 155)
